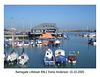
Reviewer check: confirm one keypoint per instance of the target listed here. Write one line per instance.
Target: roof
(44, 26)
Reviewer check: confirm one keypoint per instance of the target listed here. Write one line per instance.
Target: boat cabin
(59, 52)
(49, 53)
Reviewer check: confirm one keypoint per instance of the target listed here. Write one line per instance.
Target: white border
(11, 72)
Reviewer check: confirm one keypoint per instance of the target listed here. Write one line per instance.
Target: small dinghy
(72, 57)
(49, 58)
(60, 56)
(65, 36)
(12, 56)
(23, 58)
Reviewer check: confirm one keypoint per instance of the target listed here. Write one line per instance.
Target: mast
(12, 27)
(23, 29)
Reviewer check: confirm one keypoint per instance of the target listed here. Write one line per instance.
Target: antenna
(30, 25)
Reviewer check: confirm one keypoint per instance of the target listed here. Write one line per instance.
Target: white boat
(65, 36)
(23, 58)
(32, 43)
(38, 42)
(10, 39)
(91, 35)
(85, 35)
(57, 42)
(6, 39)
(49, 58)
(92, 41)
(12, 56)
(20, 43)
(60, 56)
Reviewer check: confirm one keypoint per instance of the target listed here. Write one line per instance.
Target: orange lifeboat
(46, 36)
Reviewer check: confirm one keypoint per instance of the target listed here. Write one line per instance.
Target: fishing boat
(38, 42)
(12, 56)
(26, 43)
(23, 58)
(60, 56)
(57, 42)
(49, 58)
(72, 57)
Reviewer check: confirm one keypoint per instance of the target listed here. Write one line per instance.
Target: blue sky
(70, 17)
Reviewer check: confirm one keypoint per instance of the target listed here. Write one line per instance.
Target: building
(45, 27)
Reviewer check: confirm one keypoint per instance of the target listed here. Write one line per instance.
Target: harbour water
(85, 59)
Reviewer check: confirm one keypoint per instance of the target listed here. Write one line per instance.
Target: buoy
(77, 52)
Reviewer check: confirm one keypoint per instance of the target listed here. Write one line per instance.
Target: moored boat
(65, 36)
(12, 56)
(32, 43)
(20, 43)
(92, 41)
(23, 58)
(72, 57)
(38, 42)
(26, 43)
(91, 35)
(49, 58)
(57, 42)
(60, 56)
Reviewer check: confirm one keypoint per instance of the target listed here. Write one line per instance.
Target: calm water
(85, 59)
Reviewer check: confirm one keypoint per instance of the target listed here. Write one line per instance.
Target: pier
(9, 36)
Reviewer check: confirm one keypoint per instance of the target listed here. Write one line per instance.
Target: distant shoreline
(67, 30)
(77, 30)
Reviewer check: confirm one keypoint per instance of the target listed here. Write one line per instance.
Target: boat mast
(12, 27)
(12, 32)
(23, 30)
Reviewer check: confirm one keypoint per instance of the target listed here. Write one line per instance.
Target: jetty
(9, 36)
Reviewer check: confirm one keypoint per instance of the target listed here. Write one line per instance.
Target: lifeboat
(46, 36)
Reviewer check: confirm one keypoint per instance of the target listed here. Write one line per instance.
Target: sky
(66, 17)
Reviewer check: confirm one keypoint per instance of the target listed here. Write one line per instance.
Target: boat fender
(77, 52)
